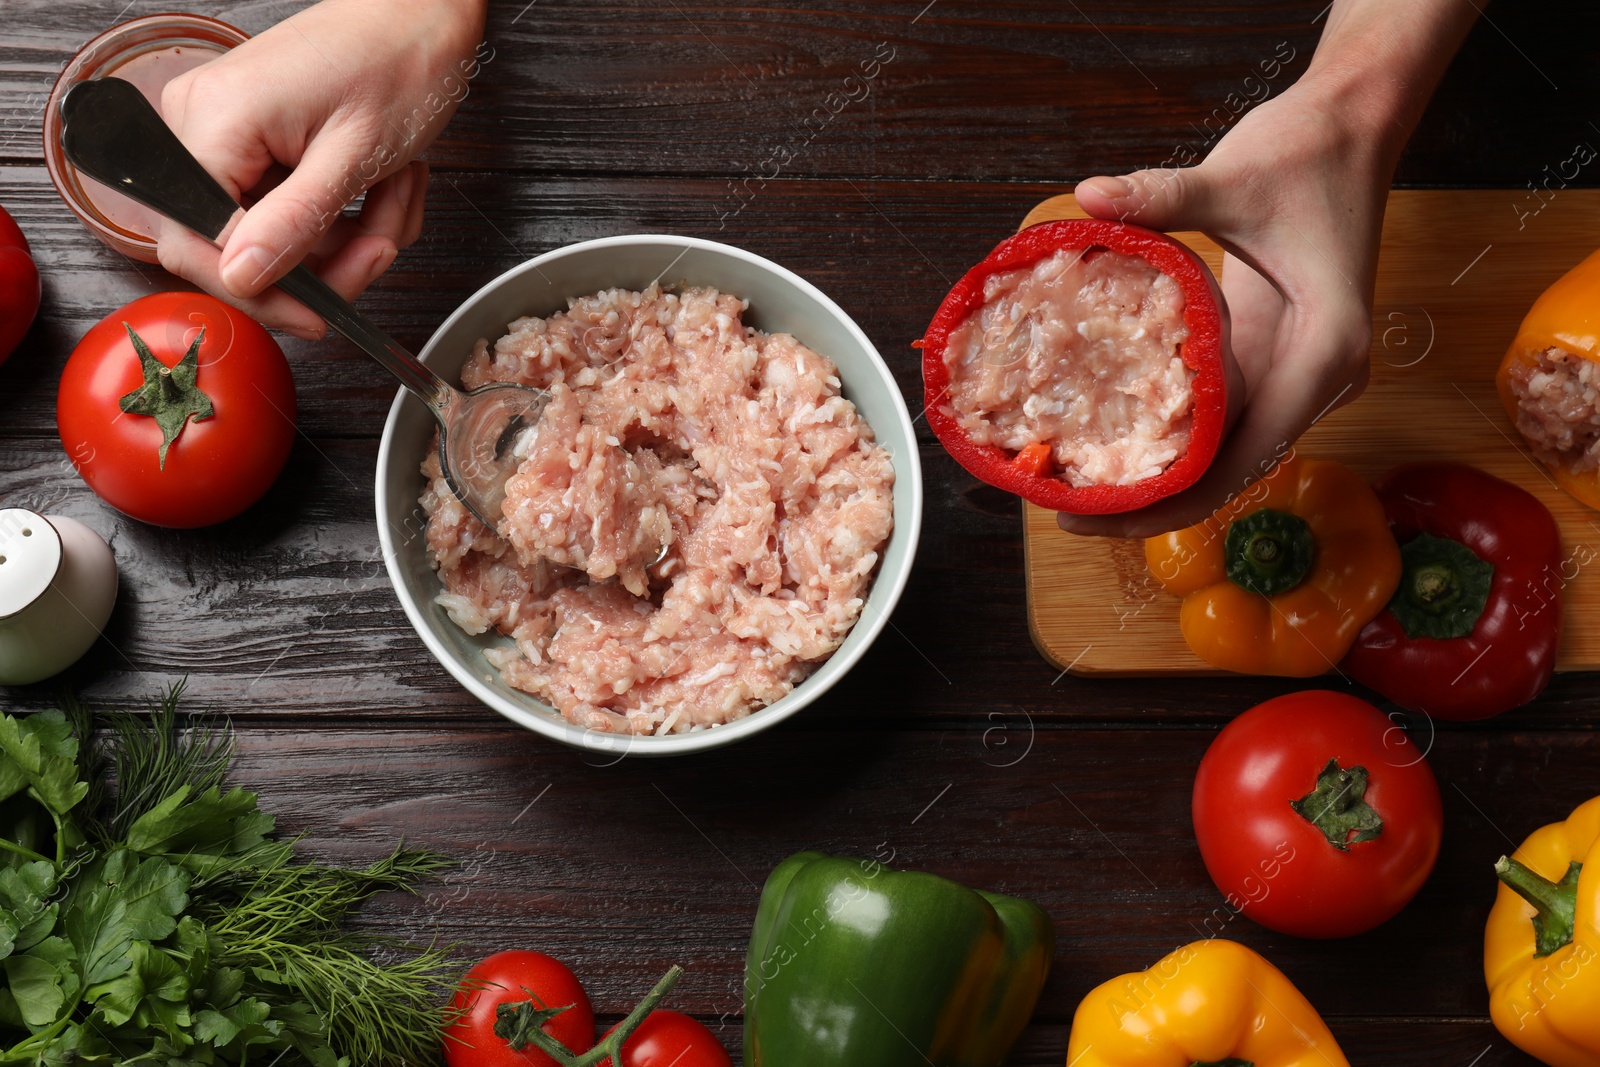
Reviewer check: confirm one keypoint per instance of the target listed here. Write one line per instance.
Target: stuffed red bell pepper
(1473, 628)
(1084, 365)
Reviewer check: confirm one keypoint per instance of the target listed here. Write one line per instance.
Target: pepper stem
(1269, 552)
(1337, 807)
(1444, 586)
(1555, 903)
(514, 1015)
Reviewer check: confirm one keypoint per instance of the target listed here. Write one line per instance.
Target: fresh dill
(149, 915)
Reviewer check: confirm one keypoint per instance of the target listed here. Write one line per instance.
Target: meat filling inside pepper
(1558, 408)
(1080, 352)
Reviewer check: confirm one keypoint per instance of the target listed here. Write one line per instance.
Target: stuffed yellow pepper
(1549, 380)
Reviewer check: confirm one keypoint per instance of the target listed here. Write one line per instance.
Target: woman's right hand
(1297, 203)
(1295, 195)
(296, 123)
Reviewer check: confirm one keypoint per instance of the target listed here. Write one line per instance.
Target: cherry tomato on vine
(672, 1039)
(513, 976)
(1316, 815)
(188, 431)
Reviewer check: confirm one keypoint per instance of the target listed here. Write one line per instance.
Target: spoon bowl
(478, 438)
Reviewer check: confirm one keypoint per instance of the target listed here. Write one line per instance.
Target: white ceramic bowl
(780, 302)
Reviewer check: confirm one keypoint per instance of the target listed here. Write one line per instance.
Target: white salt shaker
(58, 581)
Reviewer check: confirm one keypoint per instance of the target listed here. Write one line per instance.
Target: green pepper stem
(1556, 903)
(1444, 588)
(610, 1046)
(1269, 552)
(1430, 583)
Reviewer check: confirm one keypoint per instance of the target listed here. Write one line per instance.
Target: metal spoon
(112, 134)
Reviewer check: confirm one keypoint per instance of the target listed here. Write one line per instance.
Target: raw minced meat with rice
(670, 421)
(1558, 408)
(1081, 351)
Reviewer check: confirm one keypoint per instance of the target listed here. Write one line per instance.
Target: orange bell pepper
(1284, 576)
(1209, 1004)
(1541, 948)
(1565, 317)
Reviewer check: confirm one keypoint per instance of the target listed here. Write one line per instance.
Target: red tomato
(216, 466)
(671, 1039)
(1340, 761)
(19, 285)
(511, 976)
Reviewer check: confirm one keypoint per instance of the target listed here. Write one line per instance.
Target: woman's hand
(1295, 195)
(299, 121)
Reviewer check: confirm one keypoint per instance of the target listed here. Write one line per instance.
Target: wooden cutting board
(1457, 272)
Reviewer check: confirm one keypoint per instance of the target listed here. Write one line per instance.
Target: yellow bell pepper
(1209, 1004)
(1566, 317)
(1541, 948)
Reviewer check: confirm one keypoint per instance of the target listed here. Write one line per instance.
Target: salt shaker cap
(30, 556)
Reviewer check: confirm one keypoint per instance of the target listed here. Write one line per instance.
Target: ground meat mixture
(1558, 408)
(669, 422)
(1079, 351)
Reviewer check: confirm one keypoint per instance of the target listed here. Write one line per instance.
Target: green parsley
(159, 921)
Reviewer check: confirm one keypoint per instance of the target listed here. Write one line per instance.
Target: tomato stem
(608, 1048)
(1556, 903)
(170, 395)
(516, 1021)
(1338, 807)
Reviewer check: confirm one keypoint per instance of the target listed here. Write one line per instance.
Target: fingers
(202, 108)
(291, 218)
(415, 206)
(393, 207)
(1255, 313)
(192, 257)
(350, 256)
(1166, 198)
(357, 265)
(1251, 451)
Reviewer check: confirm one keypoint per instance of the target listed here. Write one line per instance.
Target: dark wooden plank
(622, 869)
(1025, 89)
(287, 610)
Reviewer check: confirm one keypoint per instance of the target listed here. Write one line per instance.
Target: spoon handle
(314, 293)
(111, 133)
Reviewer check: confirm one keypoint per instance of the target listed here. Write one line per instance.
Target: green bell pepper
(854, 964)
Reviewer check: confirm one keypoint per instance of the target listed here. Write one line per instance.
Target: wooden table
(952, 743)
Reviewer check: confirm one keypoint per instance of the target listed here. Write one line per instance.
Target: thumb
(284, 225)
(1165, 198)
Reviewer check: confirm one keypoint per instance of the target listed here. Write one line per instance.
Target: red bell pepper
(1205, 352)
(19, 285)
(1473, 628)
